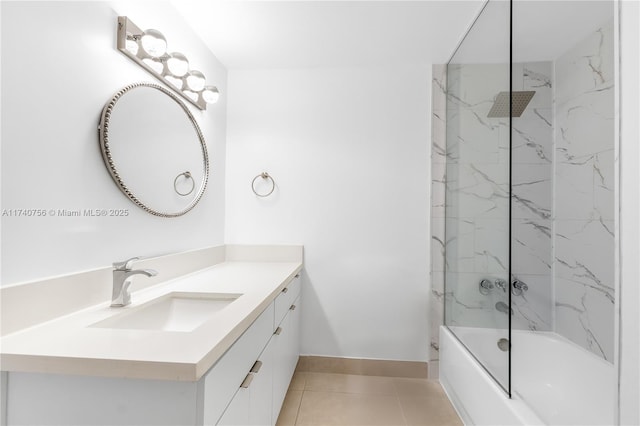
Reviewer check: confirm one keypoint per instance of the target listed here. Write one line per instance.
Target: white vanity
(217, 345)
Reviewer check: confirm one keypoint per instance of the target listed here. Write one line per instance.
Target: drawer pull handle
(256, 366)
(278, 331)
(297, 276)
(247, 381)
(284, 290)
(293, 307)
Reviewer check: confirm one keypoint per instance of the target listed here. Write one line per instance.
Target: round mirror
(154, 149)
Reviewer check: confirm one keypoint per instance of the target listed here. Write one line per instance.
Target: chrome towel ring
(266, 176)
(187, 175)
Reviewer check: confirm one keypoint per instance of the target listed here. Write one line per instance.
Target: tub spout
(503, 307)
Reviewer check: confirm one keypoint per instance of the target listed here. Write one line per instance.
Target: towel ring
(187, 175)
(263, 175)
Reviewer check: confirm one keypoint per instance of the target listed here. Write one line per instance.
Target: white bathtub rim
(520, 409)
(559, 337)
(549, 334)
(516, 407)
(455, 401)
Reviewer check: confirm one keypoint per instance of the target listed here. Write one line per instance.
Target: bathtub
(554, 382)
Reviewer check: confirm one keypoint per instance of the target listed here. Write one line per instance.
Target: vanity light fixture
(195, 81)
(149, 50)
(154, 43)
(210, 94)
(177, 64)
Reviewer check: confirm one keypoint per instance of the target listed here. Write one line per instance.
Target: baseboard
(434, 369)
(363, 367)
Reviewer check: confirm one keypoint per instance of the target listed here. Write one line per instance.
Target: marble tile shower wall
(584, 212)
(477, 193)
(532, 198)
(438, 169)
(563, 251)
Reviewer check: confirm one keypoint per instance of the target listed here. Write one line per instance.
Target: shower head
(519, 101)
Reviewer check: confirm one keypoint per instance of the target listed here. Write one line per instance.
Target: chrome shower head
(519, 101)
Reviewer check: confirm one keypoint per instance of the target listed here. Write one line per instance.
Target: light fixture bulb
(131, 45)
(154, 43)
(195, 81)
(191, 95)
(175, 82)
(154, 64)
(178, 64)
(210, 94)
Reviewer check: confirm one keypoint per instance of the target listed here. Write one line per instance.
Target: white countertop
(67, 345)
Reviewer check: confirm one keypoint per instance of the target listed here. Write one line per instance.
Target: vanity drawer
(223, 379)
(285, 299)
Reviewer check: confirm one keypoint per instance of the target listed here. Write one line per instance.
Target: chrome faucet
(122, 274)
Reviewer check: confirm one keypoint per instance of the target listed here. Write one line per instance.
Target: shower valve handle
(485, 287)
(519, 287)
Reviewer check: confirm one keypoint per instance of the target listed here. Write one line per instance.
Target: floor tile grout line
(404, 420)
(295, 422)
(393, 386)
(404, 416)
(350, 393)
(399, 396)
(304, 385)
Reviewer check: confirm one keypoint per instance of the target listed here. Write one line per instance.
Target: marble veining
(537, 80)
(478, 195)
(562, 195)
(438, 184)
(584, 214)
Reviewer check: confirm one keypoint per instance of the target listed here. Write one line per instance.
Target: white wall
(349, 152)
(59, 68)
(630, 214)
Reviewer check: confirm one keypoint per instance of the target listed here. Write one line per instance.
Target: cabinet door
(261, 388)
(285, 299)
(293, 341)
(286, 354)
(222, 381)
(280, 381)
(252, 404)
(237, 412)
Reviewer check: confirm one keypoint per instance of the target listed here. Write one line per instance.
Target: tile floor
(345, 399)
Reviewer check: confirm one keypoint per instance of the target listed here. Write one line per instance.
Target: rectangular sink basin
(172, 312)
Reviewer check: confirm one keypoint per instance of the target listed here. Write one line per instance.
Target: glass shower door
(563, 221)
(477, 227)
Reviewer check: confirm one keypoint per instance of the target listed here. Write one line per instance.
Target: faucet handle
(519, 287)
(126, 265)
